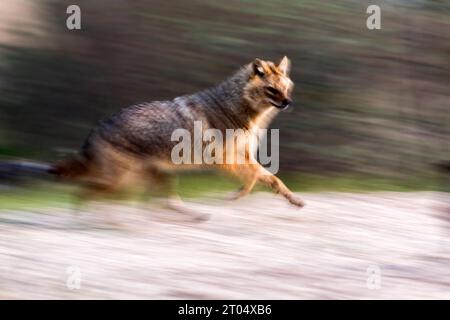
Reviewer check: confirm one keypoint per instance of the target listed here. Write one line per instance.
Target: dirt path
(378, 245)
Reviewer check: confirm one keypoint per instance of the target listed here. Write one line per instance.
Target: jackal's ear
(285, 65)
(258, 67)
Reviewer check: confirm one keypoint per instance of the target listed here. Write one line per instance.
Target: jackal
(137, 140)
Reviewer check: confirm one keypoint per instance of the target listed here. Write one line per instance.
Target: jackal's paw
(201, 217)
(193, 218)
(233, 196)
(296, 201)
(187, 213)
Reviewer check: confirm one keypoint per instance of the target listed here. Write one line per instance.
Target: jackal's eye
(272, 91)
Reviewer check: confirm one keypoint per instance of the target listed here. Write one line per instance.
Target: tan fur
(136, 142)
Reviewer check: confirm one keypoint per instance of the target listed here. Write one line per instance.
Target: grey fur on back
(146, 128)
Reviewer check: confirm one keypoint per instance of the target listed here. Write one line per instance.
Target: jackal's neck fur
(232, 106)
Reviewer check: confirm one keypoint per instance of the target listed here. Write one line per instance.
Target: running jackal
(137, 140)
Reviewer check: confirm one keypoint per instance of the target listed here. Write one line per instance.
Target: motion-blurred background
(371, 106)
(372, 113)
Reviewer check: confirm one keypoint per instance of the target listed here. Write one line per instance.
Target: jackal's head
(269, 84)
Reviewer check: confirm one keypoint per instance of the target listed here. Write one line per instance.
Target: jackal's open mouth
(280, 106)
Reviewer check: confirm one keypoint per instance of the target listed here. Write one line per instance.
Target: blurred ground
(255, 248)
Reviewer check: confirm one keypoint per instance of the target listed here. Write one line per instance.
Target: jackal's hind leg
(95, 191)
(166, 188)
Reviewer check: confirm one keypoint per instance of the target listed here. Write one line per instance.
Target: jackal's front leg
(278, 186)
(252, 173)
